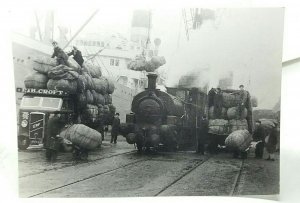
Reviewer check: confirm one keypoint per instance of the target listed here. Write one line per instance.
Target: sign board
(41, 91)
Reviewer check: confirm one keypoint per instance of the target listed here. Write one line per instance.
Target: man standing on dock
(115, 128)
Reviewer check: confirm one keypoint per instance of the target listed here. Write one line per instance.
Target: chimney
(151, 81)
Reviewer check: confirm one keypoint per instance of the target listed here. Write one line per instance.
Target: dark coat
(115, 125)
(203, 130)
(77, 56)
(59, 53)
(54, 126)
(259, 134)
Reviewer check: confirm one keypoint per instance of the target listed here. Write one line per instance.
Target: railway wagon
(165, 120)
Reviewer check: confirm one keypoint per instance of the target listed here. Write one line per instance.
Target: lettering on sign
(41, 91)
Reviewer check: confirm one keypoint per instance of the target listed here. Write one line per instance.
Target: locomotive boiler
(166, 120)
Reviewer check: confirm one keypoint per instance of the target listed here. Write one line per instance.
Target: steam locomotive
(167, 120)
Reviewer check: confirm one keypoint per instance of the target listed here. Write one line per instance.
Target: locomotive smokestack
(152, 81)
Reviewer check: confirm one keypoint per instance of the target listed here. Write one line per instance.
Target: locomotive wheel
(23, 142)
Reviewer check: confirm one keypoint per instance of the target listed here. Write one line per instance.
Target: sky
(245, 41)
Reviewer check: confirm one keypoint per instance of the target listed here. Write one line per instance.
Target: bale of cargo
(45, 60)
(89, 82)
(94, 71)
(89, 97)
(233, 113)
(90, 113)
(73, 64)
(57, 74)
(267, 123)
(108, 99)
(158, 61)
(110, 86)
(64, 85)
(237, 125)
(81, 100)
(218, 126)
(230, 100)
(212, 115)
(81, 83)
(36, 80)
(239, 140)
(131, 138)
(100, 85)
(112, 109)
(82, 136)
(41, 68)
(106, 109)
(98, 98)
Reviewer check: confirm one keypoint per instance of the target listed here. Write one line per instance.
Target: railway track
(112, 172)
(71, 164)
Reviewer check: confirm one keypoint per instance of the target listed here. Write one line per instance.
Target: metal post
(80, 29)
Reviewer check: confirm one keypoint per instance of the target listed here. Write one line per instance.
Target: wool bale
(81, 83)
(82, 136)
(73, 64)
(98, 98)
(237, 125)
(112, 109)
(230, 100)
(212, 115)
(90, 113)
(101, 85)
(110, 86)
(62, 72)
(218, 126)
(69, 86)
(131, 138)
(239, 139)
(89, 82)
(36, 80)
(45, 60)
(94, 71)
(81, 100)
(106, 109)
(108, 99)
(233, 113)
(42, 68)
(267, 123)
(89, 97)
(158, 61)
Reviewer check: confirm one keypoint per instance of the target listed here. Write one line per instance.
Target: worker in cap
(77, 56)
(115, 128)
(61, 56)
(202, 135)
(243, 95)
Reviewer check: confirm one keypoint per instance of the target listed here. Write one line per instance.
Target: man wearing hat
(77, 56)
(242, 100)
(61, 56)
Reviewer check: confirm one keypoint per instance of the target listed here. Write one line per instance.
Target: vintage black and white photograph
(130, 102)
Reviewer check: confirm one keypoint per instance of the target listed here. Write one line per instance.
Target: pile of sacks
(93, 91)
(141, 64)
(229, 119)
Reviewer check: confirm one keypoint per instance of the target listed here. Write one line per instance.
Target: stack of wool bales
(93, 91)
(95, 95)
(141, 64)
(229, 120)
(52, 76)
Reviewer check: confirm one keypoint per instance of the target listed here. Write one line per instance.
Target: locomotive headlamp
(24, 123)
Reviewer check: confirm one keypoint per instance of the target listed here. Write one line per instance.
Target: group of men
(266, 138)
(62, 57)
